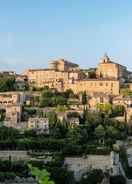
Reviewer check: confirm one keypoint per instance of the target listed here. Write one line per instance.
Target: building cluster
(12, 103)
(102, 85)
(65, 75)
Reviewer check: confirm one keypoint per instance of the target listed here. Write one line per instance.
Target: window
(101, 100)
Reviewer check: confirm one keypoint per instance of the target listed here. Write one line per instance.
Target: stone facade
(39, 124)
(11, 98)
(92, 86)
(98, 99)
(65, 75)
(14, 155)
(63, 65)
(73, 122)
(13, 115)
(129, 115)
(50, 78)
(21, 82)
(109, 69)
(118, 100)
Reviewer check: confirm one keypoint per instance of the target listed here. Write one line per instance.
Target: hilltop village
(108, 84)
(74, 123)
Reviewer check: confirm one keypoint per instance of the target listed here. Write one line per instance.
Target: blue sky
(32, 32)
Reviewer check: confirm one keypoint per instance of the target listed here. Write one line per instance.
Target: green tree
(126, 92)
(52, 116)
(42, 175)
(58, 100)
(69, 93)
(7, 83)
(62, 176)
(84, 98)
(112, 132)
(91, 119)
(99, 131)
(40, 113)
(2, 114)
(8, 133)
(74, 136)
(45, 102)
(47, 93)
(105, 108)
(118, 110)
(117, 180)
(94, 177)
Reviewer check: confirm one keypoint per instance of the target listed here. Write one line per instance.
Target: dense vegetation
(96, 134)
(10, 169)
(7, 83)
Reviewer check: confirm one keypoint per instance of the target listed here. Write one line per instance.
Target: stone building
(50, 78)
(92, 86)
(123, 101)
(11, 98)
(110, 69)
(65, 75)
(129, 115)
(98, 99)
(21, 82)
(63, 65)
(118, 100)
(73, 122)
(13, 115)
(41, 125)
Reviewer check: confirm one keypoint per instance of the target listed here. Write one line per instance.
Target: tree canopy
(42, 175)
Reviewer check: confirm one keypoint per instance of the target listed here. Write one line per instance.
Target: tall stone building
(110, 70)
(63, 65)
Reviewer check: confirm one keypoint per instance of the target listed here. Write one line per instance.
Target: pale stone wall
(129, 114)
(107, 163)
(13, 113)
(129, 156)
(63, 65)
(108, 70)
(11, 98)
(14, 155)
(82, 165)
(39, 124)
(95, 86)
(98, 99)
(119, 118)
(18, 182)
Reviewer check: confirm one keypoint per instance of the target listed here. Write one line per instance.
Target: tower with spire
(109, 69)
(105, 59)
